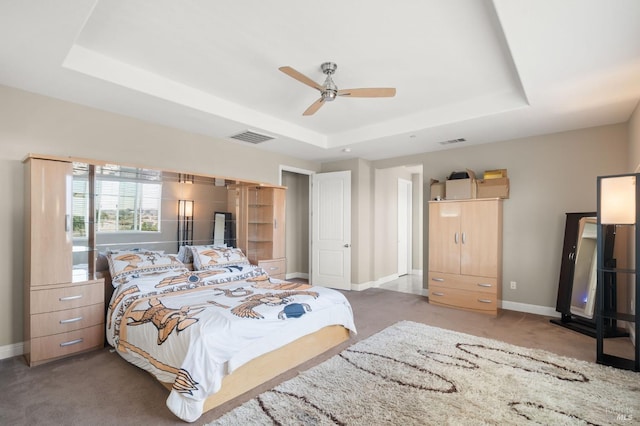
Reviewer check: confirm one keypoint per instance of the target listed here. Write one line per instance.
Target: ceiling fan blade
(314, 107)
(300, 77)
(379, 92)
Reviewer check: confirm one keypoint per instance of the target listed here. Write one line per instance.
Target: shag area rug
(413, 374)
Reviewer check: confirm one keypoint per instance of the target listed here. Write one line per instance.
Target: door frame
(408, 205)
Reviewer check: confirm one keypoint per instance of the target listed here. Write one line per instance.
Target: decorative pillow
(212, 257)
(125, 263)
(185, 255)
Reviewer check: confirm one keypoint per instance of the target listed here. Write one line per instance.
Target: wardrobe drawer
(57, 345)
(471, 300)
(276, 268)
(68, 297)
(464, 282)
(57, 322)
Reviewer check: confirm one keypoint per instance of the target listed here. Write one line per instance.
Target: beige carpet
(412, 373)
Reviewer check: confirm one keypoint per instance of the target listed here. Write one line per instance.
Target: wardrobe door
(49, 240)
(481, 233)
(444, 237)
(279, 236)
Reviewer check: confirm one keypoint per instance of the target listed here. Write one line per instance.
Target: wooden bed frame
(274, 363)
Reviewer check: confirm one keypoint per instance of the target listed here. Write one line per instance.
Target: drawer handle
(71, 342)
(66, 299)
(440, 280)
(273, 268)
(485, 285)
(67, 321)
(485, 300)
(437, 293)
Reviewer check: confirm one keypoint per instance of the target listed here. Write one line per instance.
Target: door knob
(347, 245)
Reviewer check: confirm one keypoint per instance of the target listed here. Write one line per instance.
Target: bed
(212, 333)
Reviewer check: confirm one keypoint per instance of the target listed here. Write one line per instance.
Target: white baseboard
(416, 272)
(531, 309)
(373, 284)
(294, 275)
(9, 351)
(546, 311)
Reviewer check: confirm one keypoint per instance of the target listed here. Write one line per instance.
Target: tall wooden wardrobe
(465, 254)
(63, 315)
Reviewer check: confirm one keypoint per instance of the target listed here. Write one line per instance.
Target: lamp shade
(618, 200)
(185, 208)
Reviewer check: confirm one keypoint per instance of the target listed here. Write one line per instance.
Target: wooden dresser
(63, 316)
(274, 267)
(465, 254)
(64, 319)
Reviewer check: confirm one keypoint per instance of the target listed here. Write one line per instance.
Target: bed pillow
(185, 254)
(123, 264)
(212, 257)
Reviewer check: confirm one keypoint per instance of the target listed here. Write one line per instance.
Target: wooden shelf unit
(261, 227)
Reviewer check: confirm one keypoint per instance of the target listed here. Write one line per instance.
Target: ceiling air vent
(450, 141)
(251, 137)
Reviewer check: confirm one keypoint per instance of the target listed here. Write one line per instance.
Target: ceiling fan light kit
(329, 91)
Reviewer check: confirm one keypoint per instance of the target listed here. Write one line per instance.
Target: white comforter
(191, 328)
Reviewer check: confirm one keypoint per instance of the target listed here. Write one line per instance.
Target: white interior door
(404, 227)
(331, 230)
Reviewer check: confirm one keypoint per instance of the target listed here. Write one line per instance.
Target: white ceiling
(476, 69)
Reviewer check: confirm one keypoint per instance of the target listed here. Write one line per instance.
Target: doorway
(399, 205)
(297, 222)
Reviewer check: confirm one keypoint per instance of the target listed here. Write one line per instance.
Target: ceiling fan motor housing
(329, 67)
(330, 91)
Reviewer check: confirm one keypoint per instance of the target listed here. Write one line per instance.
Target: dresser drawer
(57, 345)
(68, 320)
(68, 297)
(471, 300)
(276, 268)
(464, 282)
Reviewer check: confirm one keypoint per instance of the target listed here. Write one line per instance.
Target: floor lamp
(185, 222)
(618, 198)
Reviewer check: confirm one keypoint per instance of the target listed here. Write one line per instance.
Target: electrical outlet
(514, 285)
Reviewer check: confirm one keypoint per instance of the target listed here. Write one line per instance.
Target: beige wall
(32, 123)
(550, 175)
(634, 141)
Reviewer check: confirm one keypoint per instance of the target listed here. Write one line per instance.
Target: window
(126, 200)
(123, 206)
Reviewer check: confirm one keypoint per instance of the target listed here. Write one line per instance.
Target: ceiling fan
(329, 91)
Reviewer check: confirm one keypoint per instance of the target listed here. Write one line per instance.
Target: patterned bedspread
(191, 328)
